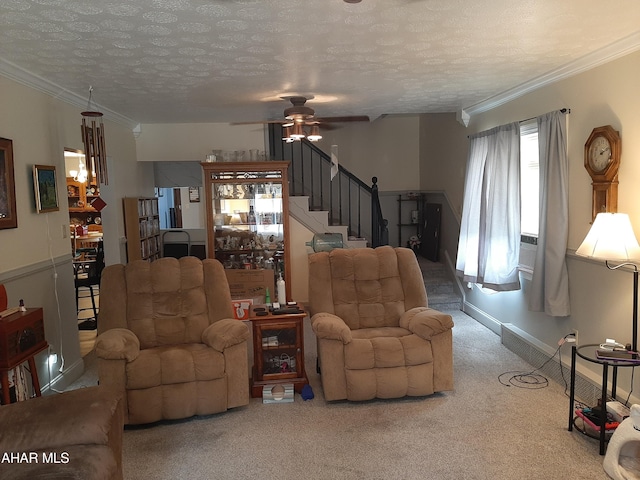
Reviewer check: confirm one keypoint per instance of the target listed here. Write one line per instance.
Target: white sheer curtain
(550, 285)
(489, 244)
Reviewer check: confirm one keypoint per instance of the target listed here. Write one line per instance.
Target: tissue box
(241, 308)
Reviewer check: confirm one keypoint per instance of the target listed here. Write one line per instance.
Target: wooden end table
(278, 349)
(21, 339)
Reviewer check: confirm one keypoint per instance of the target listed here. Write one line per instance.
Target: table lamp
(611, 239)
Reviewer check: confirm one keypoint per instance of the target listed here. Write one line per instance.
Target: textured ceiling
(230, 60)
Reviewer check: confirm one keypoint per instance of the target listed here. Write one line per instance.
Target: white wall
(443, 142)
(298, 236)
(600, 299)
(178, 142)
(35, 258)
(194, 214)
(388, 148)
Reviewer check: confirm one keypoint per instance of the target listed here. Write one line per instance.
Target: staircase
(318, 221)
(440, 292)
(329, 195)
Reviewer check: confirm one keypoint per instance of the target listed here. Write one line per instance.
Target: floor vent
(586, 391)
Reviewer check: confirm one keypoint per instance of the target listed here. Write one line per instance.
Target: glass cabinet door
(247, 217)
(280, 351)
(248, 226)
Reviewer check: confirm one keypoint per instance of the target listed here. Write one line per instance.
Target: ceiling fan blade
(353, 118)
(300, 114)
(327, 126)
(259, 123)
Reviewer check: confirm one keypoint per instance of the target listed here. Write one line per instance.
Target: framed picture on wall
(194, 194)
(8, 218)
(45, 188)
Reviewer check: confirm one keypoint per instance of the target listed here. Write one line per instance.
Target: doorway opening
(86, 235)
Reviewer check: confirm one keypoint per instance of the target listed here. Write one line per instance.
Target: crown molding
(24, 77)
(611, 52)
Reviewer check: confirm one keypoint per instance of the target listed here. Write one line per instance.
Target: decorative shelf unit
(142, 228)
(80, 195)
(407, 220)
(248, 217)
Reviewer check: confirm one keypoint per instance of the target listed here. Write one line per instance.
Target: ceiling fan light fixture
(314, 136)
(296, 132)
(300, 120)
(298, 111)
(286, 134)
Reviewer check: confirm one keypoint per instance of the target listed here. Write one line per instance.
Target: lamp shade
(314, 136)
(611, 238)
(296, 132)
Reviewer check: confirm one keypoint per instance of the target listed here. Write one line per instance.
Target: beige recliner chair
(72, 435)
(168, 340)
(377, 337)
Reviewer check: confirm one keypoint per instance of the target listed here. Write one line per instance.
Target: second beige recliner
(377, 337)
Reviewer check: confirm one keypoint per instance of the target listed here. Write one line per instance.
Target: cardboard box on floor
(251, 284)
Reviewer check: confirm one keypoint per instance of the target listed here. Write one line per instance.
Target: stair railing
(349, 200)
(379, 229)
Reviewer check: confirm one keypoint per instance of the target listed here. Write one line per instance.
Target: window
(489, 240)
(529, 181)
(529, 195)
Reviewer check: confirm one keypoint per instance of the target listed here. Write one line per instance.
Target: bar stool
(93, 268)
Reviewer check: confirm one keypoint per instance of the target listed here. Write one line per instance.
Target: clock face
(599, 153)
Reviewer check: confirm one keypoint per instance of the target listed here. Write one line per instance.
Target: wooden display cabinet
(80, 195)
(278, 350)
(142, 228)
(248, 217)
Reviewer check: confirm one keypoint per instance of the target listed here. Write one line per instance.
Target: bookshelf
(409, 217)
(142, 228)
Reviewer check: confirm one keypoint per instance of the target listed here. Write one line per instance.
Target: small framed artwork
(45, 188)
(8, 218)
(194, 194)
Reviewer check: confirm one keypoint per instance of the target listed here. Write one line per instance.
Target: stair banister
(380, 233)
(310, 175)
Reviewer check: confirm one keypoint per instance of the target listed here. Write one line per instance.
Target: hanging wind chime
(94, 146)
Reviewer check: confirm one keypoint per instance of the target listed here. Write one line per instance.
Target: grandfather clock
(602, 160)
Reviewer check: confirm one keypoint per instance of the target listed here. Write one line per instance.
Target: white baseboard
(62, 380)
(484, 318)
(588, 388)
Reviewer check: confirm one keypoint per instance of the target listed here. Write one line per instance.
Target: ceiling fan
(299, 116)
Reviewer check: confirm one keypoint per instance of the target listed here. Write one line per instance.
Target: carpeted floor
(482, 430)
